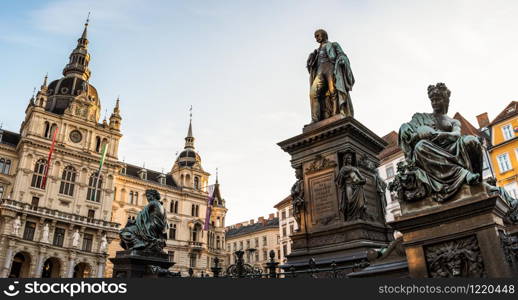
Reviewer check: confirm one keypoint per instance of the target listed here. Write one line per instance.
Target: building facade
(65, 223)
(503, 148)
(256, 239)
(59, 224)
(287, 226)
(184, 193)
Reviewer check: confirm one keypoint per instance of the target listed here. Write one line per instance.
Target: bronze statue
(442, 160)
(147, 231)
(297, 197)
(331, 79)
(381, 187)
(351, 182)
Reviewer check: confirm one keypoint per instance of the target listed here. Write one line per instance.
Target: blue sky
(241, 65)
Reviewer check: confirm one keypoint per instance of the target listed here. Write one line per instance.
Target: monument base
(138, 264)
(462, 238)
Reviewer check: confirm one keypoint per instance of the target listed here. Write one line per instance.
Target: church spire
(79, 58)
(189, 139)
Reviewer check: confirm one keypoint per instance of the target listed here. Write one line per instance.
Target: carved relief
(320, 163)
(456, 258)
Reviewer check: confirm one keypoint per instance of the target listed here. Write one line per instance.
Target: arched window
(7, 167)
(39, 172)
(171, 206)
(46, 133)
(52, 130)
(2, 164)
(196, 183)
(176, 207)
(68, 180)
(97, 144)
(197, 211)
(131, 198)
(172, 231)
(193, 210)
(94, 194)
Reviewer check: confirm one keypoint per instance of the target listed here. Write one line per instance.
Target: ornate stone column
(8, 259)
(71, 265)
(39, 265)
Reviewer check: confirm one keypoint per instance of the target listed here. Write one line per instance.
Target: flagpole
(47, 167)
(101, 164)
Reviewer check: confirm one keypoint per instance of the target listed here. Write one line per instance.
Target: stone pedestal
(135, 264)
(324, 232)
(460, 238)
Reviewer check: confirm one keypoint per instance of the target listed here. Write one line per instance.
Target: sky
(241, 65)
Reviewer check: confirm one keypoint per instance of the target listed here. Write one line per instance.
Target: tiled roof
(234, 232)
(466, 128)
(10, 138)
(284, 201)
(510, 111)
(392, 147)
(132, 171)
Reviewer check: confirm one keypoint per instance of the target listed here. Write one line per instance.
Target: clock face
(76, 136)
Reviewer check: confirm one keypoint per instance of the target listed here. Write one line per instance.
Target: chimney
(251, 221)
(238, 225)
(271, 216)
(261, 220)
(483, 120)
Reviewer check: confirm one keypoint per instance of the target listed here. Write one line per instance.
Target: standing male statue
(331, 79)
(297, 198)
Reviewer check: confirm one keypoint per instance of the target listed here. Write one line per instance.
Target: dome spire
(189, 139)
(79, 58)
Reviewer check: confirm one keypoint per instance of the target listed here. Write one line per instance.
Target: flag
(101, 164)
(210, 200)
(47, 167)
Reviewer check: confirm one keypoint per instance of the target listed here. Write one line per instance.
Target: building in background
(503, 148)
(287, 225)
(59, 225)
(256, 239)
(184, 194)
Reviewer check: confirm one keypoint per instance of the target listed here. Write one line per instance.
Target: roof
(283, 202)
(392, 148)
(256, 227)
(466, 128)
(132, 171)
(9, 138)
(511, 110)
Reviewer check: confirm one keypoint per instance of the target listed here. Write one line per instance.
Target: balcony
(22, 207)
(195, 246)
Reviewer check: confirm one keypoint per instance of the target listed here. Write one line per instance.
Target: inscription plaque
(324, 202)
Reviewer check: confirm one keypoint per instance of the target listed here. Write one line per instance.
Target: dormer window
(162, 179)
(142, 174)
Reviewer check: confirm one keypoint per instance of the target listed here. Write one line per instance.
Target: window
(256, 256)
(59, 237)
(257, 242)
(196, 182)
(278, 239)
(291, 228)
(97, 144)
(172, 231)
(35, 202)
(39, 172)
(512, 189)
(241, 245)
(265, 254)
(283, 215)
(389, 171)
(218, 242)
(290, 212)
(228, 247)
(508, 132)
(285, 249)
(195, 210)
(234, 246)
(265, 241)
(1, 192)
(192, 262)
(94, 193)
(171, 256)
(87, 242)
(176, 207)
(91, 214)
(247, 244)
(7, 167)
(68, 180)
(284, 231)
(131, 199)
(28, 232)
(46, 133)
(504, 163)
